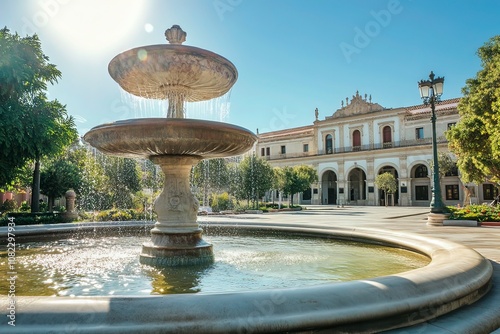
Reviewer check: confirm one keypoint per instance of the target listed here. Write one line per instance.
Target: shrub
(25, 207)
(60, 208)
(120, 215)
(22, 218)
(9, 205)
(480, 213)
(222, 202)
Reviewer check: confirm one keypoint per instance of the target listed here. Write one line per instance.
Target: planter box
(494, 224)
(455, 222)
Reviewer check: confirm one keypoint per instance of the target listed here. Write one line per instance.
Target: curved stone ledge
(456, 276)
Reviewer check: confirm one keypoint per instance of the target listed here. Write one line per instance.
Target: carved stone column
(176, 238)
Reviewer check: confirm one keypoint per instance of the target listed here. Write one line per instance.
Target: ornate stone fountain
(179, 74)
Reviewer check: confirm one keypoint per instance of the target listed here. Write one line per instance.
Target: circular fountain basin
(108, 265)
(158, 71)
(146, 137)
(456, 276)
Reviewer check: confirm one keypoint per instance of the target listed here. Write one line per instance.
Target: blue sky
(292, 55)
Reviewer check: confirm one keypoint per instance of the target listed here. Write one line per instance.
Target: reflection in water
(110, 266)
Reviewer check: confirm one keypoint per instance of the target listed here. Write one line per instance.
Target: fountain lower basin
(90, 265)
(147, 137)
(456, 276)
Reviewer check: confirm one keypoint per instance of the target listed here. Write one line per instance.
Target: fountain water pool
(108, 265)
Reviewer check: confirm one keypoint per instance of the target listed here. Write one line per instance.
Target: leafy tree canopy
(295, 179)
(386, 182)
(475, 139)
(256, 178)
(32, 126)
(57, 177)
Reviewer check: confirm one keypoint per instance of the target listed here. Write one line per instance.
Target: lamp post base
(436, 219)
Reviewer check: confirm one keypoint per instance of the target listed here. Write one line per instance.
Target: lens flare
(142, 55)
(149, 27)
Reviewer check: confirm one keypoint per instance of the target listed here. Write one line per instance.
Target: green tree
(49, 131)
(297, 179)
(32, 126)
(387, 183)
(211, 176)
(93, 193)
(57, 177)
(24, 72)
(475, 139)
(256, 178)
(151, 176)
(123, 180)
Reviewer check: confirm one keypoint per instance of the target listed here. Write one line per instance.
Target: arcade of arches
(356, 190)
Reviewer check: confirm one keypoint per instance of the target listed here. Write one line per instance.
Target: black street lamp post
(430, 92)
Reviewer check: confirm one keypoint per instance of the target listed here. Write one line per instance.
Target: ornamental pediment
(357, 105)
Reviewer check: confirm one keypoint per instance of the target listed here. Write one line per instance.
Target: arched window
(329, 144)
(387, 136)
(356, 140)
(421, 171)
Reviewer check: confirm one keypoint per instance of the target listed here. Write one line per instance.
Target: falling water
(217, 109)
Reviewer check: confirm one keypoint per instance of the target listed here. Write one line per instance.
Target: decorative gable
(358, 105)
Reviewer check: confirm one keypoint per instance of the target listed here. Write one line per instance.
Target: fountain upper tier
(147, 137)
(172, 71)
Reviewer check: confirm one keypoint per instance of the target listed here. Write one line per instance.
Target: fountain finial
(175, 35)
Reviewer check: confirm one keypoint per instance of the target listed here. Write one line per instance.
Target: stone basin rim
(149, 137)
(127, 62)
(178, 49)
(456, 276)
(183, 122)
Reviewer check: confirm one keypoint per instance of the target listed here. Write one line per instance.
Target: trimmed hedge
(25, 218)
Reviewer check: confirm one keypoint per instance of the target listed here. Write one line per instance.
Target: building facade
(361, 140)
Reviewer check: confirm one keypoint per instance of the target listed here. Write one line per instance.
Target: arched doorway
(329, 188)
(357, 186)
(421, 184)
(393, 198)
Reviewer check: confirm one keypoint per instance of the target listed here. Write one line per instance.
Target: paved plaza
(485, 240)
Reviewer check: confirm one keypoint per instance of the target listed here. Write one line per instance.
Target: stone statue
(316, 113)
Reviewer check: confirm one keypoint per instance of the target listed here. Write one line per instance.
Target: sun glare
(92, 27)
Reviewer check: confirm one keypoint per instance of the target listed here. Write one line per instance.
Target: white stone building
(363, 139)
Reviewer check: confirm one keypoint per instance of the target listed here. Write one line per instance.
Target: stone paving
(481, 317)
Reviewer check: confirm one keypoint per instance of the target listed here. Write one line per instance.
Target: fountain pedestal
(176, 238)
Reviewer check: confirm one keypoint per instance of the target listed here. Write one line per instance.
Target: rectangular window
(422, 193)
(283, 149)
(262, 152)
(489, 192)
(268, 151)
(306, 195)
(306, 147)
(419, 133)
(452, 192)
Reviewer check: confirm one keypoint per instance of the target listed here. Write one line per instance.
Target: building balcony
(354, 149)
